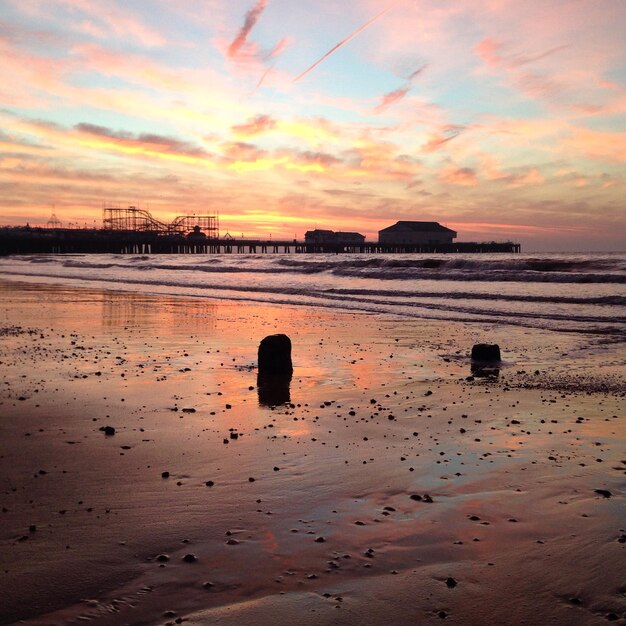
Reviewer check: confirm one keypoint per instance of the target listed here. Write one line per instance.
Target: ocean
(578, 293)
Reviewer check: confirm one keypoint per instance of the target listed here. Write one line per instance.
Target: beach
(387, 484)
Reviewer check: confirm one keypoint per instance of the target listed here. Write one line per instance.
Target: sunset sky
(502, 119)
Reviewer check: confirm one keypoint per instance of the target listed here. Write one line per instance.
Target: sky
(501, 119)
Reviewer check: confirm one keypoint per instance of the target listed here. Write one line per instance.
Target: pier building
(416, 233)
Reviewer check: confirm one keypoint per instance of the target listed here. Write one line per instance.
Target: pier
(25, 240)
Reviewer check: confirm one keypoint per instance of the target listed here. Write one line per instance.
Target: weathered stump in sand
(275, 356)
(486, 352)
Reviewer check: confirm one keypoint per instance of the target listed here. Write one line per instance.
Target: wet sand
(391, 486)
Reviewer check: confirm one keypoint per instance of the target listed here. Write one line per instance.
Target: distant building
(416, 233)
(330, 236)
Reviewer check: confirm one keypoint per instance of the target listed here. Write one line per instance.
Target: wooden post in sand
(486, 352)
(275, 355)
(275, 370)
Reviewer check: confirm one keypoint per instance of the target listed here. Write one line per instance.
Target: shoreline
(135, 358)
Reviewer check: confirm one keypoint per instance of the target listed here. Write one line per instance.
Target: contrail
(263, 77)
(342, 42)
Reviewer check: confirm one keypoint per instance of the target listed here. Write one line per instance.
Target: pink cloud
(240, 41)
(561, 82)
(278, 49)
(132, 67)
(390, 98)
(397, 94)
(494, 53)
(463, 176)
(105, 19)
(445, 134)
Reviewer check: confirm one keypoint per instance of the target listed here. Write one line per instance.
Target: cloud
(135, 68)
(494, 53)
(120, 22)
(241, 151)
(323, 160)
(258, 124)
(531, 176)
(463, 176)
(607, 146)
(397, 94)
(559, 83)
(438, 139)
(240, 41)
(278, 49)
(152, 142)
(389, 98)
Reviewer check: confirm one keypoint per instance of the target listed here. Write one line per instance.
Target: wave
(386, 301)
(478, 262)
(481, 295)
(485, 276)
(369, 292)
(572, 293)
(600, 271)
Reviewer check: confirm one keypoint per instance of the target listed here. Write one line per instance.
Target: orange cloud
(240, 151)
(145, 141)
(258, 124)
(486, 227)
(464, 176)
(436, 141)
(609, 146)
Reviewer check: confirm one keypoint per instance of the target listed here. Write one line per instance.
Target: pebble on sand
(603, 492)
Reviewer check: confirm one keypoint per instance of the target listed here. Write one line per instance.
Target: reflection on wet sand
(141, 310)
(273, 389)
(484, 370)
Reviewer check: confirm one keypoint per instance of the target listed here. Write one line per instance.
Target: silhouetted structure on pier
(416, 233)
(318, 236)
(132, 219)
